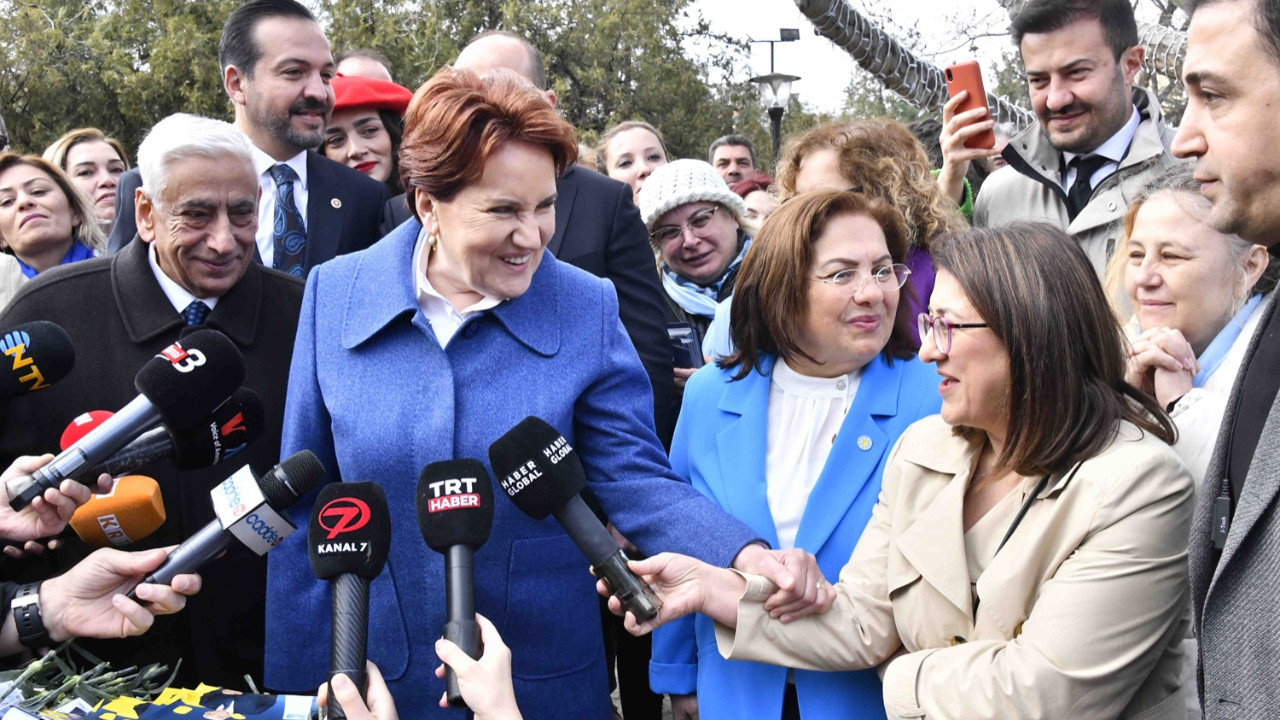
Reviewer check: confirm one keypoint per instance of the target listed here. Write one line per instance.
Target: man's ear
(144, 213)
(1131, 63)
(234, 82)
(551, 96)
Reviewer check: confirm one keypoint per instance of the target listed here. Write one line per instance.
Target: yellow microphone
(131, 511)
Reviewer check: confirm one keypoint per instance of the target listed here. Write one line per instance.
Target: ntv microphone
(40, 355)
(455, 514)
(247, 511)
(348, 541)
(542, 475)
(220, 436)
(131, 511)
(178, 387)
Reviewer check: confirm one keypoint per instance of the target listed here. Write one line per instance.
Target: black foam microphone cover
(525, 454)
(350, 530)
(36, 355)
(455, 504)
(190, 378)
(233, 426)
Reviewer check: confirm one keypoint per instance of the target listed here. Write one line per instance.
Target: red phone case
(968, 76)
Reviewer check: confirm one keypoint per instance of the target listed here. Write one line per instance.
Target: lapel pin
(336, 203)
(864, 443)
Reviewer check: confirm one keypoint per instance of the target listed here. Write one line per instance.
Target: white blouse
(805, 414)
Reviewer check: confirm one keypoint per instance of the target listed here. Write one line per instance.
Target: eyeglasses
(942, 328)
(697, 221)
(887, 276)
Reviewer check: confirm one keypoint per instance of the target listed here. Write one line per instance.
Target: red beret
(354, 91)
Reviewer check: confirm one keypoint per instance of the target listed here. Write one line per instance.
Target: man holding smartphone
(1097, 134)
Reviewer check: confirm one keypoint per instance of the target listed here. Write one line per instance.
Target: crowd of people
(908, 429)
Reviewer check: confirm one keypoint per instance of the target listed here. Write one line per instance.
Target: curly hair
(886, 161)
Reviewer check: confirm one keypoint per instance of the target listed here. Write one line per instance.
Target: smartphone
(968, 76)
(685, 352)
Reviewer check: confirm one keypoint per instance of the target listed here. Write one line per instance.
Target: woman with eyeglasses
(791, 432)
(1027, 556)
(695, 227)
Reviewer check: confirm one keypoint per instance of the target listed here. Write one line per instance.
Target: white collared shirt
(805, 414)
(262, 163)
(178, 296)
(1113, 150)
(445, 319)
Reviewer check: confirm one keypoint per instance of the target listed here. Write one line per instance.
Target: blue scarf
(1217, 351)
(701, 299)
(77, 253)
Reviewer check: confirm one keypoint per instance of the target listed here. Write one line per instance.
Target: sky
(824, 68)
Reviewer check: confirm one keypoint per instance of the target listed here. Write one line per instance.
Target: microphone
(348, 541)
(233, 426)
(40, 355)
(131, 511)
(81, 426)
(455, 515)
(181, 385)
(248, 511)
(542, 475)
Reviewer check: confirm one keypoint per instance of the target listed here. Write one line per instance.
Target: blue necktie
(288, 232)
(195, 313)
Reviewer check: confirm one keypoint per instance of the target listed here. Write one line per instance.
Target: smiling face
(1078, 90)
(975, 373)
(1233, 91)
(36, 221)
(358, 139)
(204, 225)
(1179, 272)
(701, 254)
(492, 233)
(95, 168)
(632, 155)
(846, 326)
(285, 105)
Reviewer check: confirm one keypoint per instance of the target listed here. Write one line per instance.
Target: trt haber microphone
(131, 511)
(540, 472)
(455, 514)
(178, 387)
(234, 426)
(348, 541)
(36, 354)
(247, 511)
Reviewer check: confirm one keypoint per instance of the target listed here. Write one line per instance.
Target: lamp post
(776, 88)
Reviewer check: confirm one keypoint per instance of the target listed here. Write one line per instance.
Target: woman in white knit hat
(695, 226)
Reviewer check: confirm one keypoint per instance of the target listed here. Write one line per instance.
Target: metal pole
(775, 120)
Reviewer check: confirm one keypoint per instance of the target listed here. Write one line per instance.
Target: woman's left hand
(1162, 364)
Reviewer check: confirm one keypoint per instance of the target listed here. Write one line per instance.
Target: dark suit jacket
(343, 210)
(118, 318)
(598, 229)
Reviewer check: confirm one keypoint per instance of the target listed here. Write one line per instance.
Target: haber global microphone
(131, 511)
(36, 355)
(540, 472)
(247, 511)
(348, 542)
(455, 514)
(178, 387)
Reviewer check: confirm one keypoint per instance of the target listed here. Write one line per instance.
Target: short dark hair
(238, 46)
(734, 141)
(1037, 291)
(1045, 16)
(537, 69)
(770, 295)
(1266, 20)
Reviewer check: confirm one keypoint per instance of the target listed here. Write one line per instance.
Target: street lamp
(776, 89)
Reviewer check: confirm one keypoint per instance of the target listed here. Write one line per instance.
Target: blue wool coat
(372, 393)
(720, 446)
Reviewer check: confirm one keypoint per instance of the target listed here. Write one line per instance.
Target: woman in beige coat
(1027, 557)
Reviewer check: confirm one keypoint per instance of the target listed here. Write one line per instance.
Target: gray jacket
(1030, 188)
(1237, 598)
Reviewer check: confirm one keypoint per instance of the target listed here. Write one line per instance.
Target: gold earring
(432, 239)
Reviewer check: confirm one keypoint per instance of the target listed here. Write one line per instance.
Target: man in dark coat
(197, 211)
(276, 67)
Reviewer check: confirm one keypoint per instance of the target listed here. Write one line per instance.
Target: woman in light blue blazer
(790, 433)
